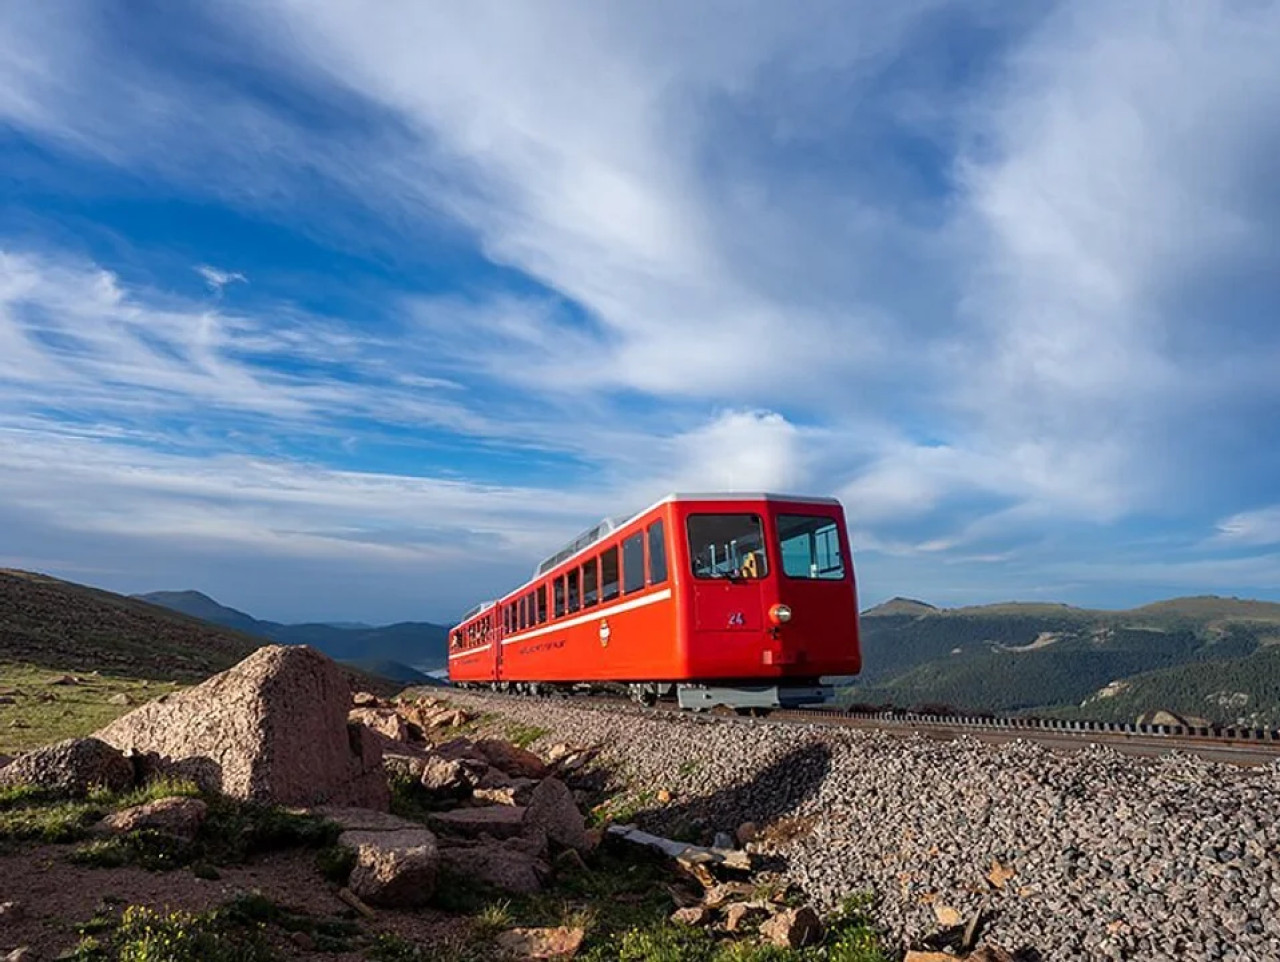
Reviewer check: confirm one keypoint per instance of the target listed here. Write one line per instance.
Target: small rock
(722, 840)
(570, 861)
(120, 698)
(747, 832)
(179, 817)
(1000, 875)
(692, 915)
(517, 793)
(793, 928)
(727, 892)
(737, 914)
(65, 680)
(383, 721)
(449, 776)
(513, 760)
(11, 912)
(990, 953)
(551, 808)
(500, 821)
(916, 956)
(557, 943)
(21, 954)
(364, 699)
(73, 766)
(507, 866)
(396, 869)
(303, 941)
(946, 915)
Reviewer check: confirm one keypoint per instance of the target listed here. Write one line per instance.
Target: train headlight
(780, 614)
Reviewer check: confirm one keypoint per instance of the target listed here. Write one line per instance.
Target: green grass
(237, 931)
(522, 736)
(624, 906)
(43, 713)
(232, 832)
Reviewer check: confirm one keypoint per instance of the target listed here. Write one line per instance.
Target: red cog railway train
(745, 600)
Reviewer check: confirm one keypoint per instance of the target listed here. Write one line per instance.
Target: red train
(745, 600)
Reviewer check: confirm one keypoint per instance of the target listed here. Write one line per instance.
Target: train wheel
(645, 695)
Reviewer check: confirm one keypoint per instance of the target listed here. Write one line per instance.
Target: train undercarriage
(744, 696)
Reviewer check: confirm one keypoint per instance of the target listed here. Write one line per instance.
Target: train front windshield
(810, 547)
(727, 546)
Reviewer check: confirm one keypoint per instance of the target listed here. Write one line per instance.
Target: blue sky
(338, 310)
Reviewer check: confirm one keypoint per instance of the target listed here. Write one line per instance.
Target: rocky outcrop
(72, 767)
(177, 817)
(272, 729)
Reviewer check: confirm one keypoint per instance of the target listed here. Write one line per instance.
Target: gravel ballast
(1112, 856)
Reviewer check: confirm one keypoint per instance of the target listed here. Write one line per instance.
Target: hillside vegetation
(74, 658)
(1206, 657)
(70, 627)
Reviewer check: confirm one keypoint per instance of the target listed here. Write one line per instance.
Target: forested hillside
(1206, 657)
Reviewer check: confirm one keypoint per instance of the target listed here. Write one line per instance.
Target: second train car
(744, 600)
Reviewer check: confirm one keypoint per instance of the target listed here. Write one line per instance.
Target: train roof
(607, 526)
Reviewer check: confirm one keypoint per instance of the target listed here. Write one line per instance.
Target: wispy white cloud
(1259, 527)
(768, 248)
(217, 280)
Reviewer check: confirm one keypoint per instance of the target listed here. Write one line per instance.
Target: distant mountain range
(404, 651)
(65, 627)
(1210, 658)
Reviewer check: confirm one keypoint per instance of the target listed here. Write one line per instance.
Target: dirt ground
(54, 896)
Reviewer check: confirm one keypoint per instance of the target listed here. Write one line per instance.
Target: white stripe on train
(654, 598)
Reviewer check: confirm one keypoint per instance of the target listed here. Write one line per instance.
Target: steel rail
(1241, 745)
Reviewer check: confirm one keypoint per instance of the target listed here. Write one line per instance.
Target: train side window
(657, 554)
(573, 590)
(559, 597)
(609, 573)
(512, 624)
(633, 563)
(542, 604)
(590, 582)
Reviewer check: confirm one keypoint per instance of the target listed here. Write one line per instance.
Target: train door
(729, 564)
(499, 637)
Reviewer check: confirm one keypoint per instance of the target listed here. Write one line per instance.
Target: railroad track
(1238, 745)
(1234, 744)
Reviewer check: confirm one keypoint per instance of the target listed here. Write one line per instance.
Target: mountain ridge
(410, 646)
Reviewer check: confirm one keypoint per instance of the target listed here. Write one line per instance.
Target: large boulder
(272, 729)
(72, 767)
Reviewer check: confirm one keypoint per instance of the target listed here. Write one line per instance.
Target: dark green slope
(1053, 658)
(70, 627)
